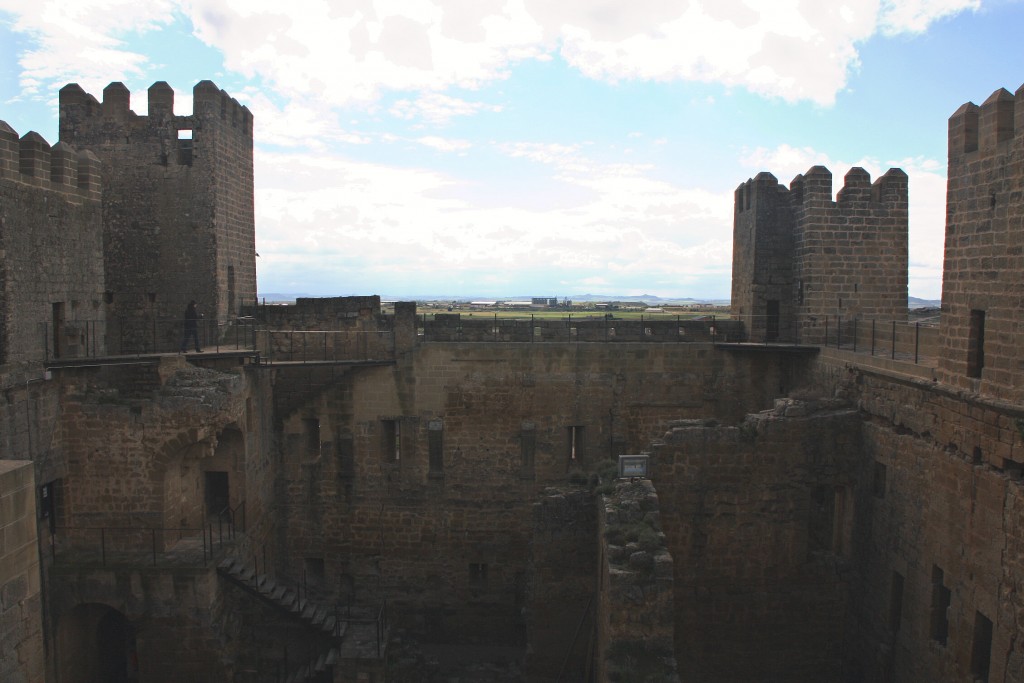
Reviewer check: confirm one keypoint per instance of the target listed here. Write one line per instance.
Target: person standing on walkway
(191, 326)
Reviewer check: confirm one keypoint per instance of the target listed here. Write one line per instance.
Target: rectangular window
(981, 650)
(939, 622)
(896, 602)
(391, 443)
(575, 443)
(435, 444)
(346, 456)
(49, 503)
(821, 525)
(976, 344)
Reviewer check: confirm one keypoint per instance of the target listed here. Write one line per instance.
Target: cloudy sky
(494, 148)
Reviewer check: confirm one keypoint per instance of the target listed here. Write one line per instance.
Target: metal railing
(577, 328)
(133, 336)
(319, 346)
(138, 546)
(917, 342)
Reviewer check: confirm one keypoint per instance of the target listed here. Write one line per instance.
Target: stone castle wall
(51, 249)
(443, 526)
(942, 550)
(759, 519)
(21, 616)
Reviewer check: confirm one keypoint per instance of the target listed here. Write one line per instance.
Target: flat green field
(575, 315)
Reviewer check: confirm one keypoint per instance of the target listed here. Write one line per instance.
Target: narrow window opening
(346, 456)
(49, 503)
(896, 602)
(57, 322)
(311, 427)
(976, 344)
(231, 290)
(527, 450)
(435, 444)
(822, 518)
(575, 438)
(939, 622)
(981, 650)
(392, 440)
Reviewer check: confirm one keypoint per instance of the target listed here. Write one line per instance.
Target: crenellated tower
(178, 211)
(762, 257)
(800, 257)
(982, 290)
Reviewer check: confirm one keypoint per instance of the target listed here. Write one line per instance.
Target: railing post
(839, 332)
(855, 335)
(872, 336)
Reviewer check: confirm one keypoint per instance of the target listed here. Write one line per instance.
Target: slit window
(981, 649)
(976, 344)
(896, 602)
(391, 440)
(575, 444)
(939, 626)
(435, 445)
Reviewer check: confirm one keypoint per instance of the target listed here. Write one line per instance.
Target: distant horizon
(291, 296)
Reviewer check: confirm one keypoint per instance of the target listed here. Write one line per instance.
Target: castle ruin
(331, 493)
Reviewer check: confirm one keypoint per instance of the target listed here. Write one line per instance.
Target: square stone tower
(178, 211)
(982, 288)
(800, 257)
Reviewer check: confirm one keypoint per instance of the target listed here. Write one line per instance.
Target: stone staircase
(318, 618)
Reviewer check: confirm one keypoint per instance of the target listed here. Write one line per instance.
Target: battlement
(209, 104)
(31, 160)
(816, 186)
(985, 129)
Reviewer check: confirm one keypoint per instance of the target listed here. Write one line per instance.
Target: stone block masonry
(759, 519)
(51, 249)
(982, 287)
(799, 256)
(178, 200)
(21, 622)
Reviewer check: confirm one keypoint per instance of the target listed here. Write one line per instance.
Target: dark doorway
(115, 649)
(771, 325)
(217, 497)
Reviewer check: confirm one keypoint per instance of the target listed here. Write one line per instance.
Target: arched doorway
(97, 643)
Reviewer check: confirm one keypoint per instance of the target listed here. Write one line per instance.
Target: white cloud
(444, 144)
(78, 41)
(340, 54)
(438, 109)
(390, 223)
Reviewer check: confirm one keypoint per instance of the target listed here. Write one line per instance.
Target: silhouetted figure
(191, 326)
